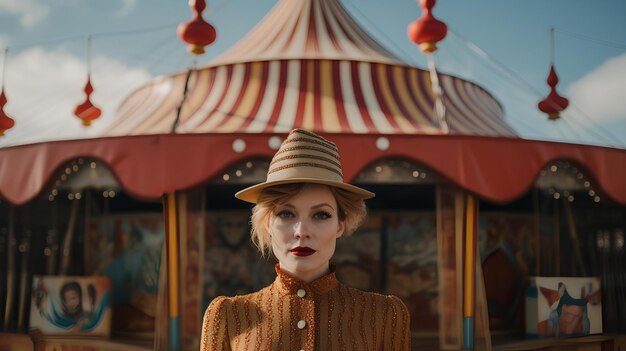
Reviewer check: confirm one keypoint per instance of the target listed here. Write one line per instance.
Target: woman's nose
(301, 230)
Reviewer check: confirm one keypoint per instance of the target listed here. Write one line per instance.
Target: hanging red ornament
(427, 30)
(87, 111)
(554, 103)
(197, 32)
(6, 122)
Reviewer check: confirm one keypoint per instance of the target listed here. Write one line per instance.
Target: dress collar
(290, 285)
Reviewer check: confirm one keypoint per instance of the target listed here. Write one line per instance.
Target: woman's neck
(306, 276)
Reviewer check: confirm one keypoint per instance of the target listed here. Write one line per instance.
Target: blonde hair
(351, 210)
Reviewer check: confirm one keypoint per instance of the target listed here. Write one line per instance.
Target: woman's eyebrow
(322, 205)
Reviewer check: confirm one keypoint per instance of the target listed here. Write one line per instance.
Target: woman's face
(570, 320)
(304, 231)
(71, 300)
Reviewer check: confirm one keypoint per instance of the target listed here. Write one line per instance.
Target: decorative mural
(232, 265)
(127, 249)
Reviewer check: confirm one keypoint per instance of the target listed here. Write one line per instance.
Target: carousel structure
(467, 212)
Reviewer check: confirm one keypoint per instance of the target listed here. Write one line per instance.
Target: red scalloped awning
(497, 169)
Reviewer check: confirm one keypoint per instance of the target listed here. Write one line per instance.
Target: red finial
(197, 33)
(87, 111)
(6, 122)
(554, 103)
(427, 30)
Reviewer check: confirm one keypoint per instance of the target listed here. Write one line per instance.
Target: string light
(69, 171)
(562, 169)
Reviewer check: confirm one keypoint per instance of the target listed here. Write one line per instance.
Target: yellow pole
(173, 278)
(469, 297)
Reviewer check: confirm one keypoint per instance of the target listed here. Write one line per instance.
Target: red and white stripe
(319, 95)
(308, 65)
(307, 29)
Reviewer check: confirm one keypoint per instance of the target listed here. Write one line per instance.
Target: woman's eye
(322, 215)
(285, 214)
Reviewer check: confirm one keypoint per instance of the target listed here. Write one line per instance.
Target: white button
(301, 324)
(301, 292)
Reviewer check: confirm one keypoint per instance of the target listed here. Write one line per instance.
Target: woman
(301, 210)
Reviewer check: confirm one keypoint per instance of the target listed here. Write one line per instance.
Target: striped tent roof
(309, 65)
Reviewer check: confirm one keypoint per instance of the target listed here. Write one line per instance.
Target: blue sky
(47, 43)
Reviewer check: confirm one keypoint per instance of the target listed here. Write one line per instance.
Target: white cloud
(44, 87)
(600, 93)
(31, 12)
(127, 7)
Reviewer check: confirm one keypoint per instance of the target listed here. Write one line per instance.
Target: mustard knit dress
(292, 315)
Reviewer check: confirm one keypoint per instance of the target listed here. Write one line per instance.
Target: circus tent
(307, 64)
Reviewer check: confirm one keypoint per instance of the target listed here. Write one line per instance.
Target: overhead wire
(50, 98)
(591, 39)
(72, 38)
(46, 105)
(596, 124)
(410, 59)
(608, 138)
(454, 54)
(4, 67)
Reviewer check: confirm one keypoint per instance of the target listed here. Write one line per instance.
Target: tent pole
(173, 276)
(11, 273)
(469, 283)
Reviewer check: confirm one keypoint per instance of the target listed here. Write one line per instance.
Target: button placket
(304, 318)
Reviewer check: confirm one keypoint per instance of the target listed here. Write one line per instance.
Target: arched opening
(82, 229)
(564, 228)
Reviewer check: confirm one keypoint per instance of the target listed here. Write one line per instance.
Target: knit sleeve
(397, 329)
(214, 326)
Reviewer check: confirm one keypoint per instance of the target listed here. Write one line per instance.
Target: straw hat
(304, 157)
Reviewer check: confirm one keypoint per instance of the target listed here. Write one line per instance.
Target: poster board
(70, 305)
(563, 307)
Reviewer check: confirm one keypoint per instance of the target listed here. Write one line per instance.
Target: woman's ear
(267, 225)
(341, 228)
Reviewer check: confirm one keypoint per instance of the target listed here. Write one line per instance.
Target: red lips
(302, 251)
